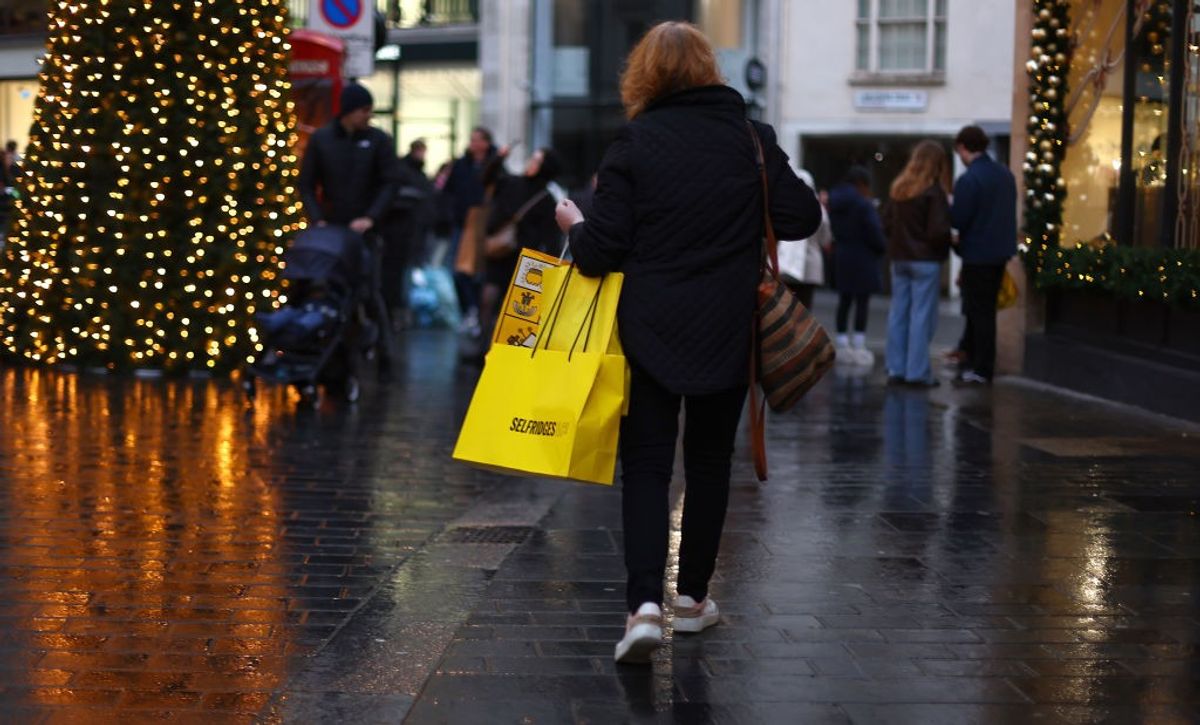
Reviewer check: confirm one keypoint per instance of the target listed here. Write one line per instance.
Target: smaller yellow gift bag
(554, 410)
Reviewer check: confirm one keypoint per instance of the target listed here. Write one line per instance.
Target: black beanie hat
(354, 97)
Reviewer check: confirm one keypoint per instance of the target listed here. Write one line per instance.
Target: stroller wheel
(309, 396)
(352, 389)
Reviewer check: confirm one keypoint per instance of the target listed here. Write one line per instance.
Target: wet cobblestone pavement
(1003, 555)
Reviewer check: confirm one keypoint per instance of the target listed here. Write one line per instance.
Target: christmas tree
(158, 189)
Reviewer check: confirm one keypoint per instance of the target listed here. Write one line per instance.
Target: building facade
(426, 83)
(860, 82)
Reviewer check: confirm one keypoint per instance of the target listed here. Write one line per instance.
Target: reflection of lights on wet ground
(1097, 555)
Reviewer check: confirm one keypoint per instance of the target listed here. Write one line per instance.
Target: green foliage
(1135, 273)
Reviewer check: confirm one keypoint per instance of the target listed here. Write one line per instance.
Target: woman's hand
(567, 214)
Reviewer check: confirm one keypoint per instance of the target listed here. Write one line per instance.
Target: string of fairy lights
(159, 186)
(1150, 273)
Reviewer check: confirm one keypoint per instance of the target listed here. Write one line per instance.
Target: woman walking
(917, 221)
(858, 243)
(679, 210)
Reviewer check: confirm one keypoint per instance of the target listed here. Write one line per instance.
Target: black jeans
(648, 436)
(862, 307)
(980, 285)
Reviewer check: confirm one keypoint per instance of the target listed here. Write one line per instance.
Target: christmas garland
(1135, 273)
(1045, 189)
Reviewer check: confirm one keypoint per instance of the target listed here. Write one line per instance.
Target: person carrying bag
(678, 209)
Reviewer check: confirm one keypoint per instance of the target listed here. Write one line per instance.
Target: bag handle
(527, 206)
(552, 316)
(770, 265)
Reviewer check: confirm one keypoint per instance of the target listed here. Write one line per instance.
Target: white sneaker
(845, 355)
(643, 635)
(692, 616)
(863, 356)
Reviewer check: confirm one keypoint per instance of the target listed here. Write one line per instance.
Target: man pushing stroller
(348, 178)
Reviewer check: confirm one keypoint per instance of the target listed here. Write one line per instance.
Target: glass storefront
(16, 110)
(1124, 120)
(580, 50)
(437, 103)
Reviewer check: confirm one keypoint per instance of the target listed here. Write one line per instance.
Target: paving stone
(944, 556)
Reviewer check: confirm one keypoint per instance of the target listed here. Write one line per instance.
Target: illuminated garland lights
(1045, 189)
(1135, 273)
(159, 187)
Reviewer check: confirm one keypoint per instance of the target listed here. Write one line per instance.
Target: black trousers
(648, 437)
(980, 285)
(374, 304)
(862, 308)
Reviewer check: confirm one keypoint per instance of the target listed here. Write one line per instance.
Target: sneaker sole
(692, 625)
(638, 644)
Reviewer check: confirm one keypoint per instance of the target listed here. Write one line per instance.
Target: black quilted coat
(678, 208)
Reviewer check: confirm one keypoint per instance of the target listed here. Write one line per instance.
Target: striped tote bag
(791, 349)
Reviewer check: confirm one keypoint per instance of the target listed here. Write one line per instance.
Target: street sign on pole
(353, 22)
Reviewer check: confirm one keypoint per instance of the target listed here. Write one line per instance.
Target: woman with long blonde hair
(917, 223)
(678, 209)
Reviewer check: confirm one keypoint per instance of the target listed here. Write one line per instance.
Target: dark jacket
(918, 229)
(985, 213)
(858, 241)
(414, 192)
(347, 176)
(536, 230)
(465, 187)
(679, 210)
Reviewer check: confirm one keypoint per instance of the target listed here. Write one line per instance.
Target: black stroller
(322, 332)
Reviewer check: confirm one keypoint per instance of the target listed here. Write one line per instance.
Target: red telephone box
(316, 74)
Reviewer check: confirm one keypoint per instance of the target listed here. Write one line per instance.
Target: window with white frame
(901, 36)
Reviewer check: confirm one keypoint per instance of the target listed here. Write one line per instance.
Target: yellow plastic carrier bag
(554, 410)
(1007, 296)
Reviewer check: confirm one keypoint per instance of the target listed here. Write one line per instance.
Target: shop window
(1095, 165)
(572, 57)
(901, 36)
(16, 110)
(1188, 229)
(1092, 167)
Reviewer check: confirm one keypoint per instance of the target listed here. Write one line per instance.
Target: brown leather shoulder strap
(758, 403)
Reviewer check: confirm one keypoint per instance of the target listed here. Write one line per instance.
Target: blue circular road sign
(341, 13)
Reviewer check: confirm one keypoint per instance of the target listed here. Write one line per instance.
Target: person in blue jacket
(984, 212)
(858, 243)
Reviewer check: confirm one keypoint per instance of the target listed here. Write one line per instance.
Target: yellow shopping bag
(555, 410)
(1007, 296)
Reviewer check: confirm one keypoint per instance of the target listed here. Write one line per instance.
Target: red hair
(673, 56)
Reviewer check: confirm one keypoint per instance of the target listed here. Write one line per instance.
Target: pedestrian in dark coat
(679, 210)
(985, 214)
(465, 189)
(536, 229)
(858, 243)
(404, 230)
(348, 178)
